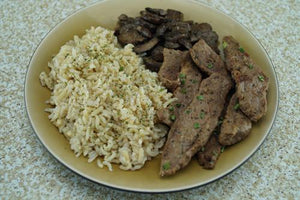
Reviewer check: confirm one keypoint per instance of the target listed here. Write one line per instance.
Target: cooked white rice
(104, 101)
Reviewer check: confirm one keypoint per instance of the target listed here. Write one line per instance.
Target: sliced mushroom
(146, 46)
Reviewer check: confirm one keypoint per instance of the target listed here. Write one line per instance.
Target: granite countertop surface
(28, 171)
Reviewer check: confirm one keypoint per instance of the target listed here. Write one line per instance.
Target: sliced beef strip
(236, 125)
(191, 132)
(207, 59)
(209, 154)
(168, 73)
(251, 82)
(147, 46)
(152, 64)
(190, 78)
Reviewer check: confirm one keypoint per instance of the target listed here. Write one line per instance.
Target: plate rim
(154, 191)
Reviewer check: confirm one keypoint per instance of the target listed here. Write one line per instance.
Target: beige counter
(28, 171)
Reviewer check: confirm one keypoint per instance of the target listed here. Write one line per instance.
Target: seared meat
(168, 73)
(206, 59)
(236, 125)
(251, 82)
(190, 79)
(191, 131)
(209, 154)
(152, 17)
(146, 46)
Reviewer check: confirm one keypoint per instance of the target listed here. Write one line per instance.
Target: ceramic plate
(147, 179)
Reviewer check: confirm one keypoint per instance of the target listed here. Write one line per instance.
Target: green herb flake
(241, 50)
(171, 108)
(162, 89)
(222, 149)
(224, 44)
(210, 65)
(200, 97)
(121, 69)
(166, 166)
(202, 149)
(181, 76)
(250, 66)
(202, 114)
(236, 106)
(188, 111)
(173, 117)
(178, 105)
(182, 82)
(261, 78)
(196, 125)
(183, 90)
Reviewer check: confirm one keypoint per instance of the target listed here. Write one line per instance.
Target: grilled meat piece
(236, 125)
(251, 82)
(209, 154)
(190, 132)
(207, 59)
(168, 73)
(190, 79)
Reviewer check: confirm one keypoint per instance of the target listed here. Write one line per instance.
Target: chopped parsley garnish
(261, 78)
(224, 44)
(188, 111)
(222, 149)
(182, 82)
(202, 114)
(250, 66)
(173, 117)
(241, 50)
(171, 108)
(178, 105)
(162, 89)
(236, 106)
(121, 69)
(166, 166)
(200, 97)
(209, 66)
(196, 125)
(181, 75)
(183, 90)
(202, 149)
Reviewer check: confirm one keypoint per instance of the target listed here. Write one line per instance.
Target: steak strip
(190, 79)
(251, 82)
(191, 131)
(207, 59)
(209, 154)
(170, 68)
(236, 125)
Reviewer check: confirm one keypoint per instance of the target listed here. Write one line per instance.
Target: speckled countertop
(28, 171)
